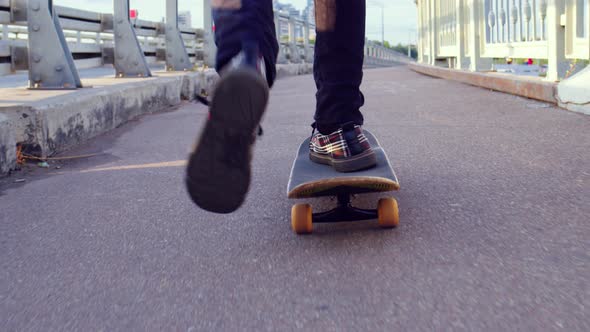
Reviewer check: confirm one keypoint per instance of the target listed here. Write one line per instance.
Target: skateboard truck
(302, 218)
(344, 212)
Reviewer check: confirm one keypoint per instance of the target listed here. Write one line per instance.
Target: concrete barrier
(574, 93)
(7, 145)
(49, 122)
(528, 87)
(294, 69)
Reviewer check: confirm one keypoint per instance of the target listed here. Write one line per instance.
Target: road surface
(494, 228)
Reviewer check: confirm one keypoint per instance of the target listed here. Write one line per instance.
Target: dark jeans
(338, 62)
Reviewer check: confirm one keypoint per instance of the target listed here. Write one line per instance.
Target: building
(185, 20)
(286, 8)
(309, 12)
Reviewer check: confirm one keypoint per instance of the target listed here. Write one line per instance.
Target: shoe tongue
(348, 126)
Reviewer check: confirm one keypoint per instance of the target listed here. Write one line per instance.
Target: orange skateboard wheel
(301, 219)
(388, 213)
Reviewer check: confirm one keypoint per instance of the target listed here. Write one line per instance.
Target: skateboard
(309, 179)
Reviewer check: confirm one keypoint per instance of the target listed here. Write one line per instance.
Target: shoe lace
(315, 127)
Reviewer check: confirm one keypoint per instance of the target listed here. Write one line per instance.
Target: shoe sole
(219, 169)
(356, 163)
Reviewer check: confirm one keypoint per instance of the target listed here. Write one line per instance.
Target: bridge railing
(469, 33)
(295, 38)
(52, 42)
(91, 46)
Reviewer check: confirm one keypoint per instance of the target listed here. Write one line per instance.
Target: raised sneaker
(219, 168)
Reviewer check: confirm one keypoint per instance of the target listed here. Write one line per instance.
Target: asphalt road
(494, 235)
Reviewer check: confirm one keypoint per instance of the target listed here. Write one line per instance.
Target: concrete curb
(294, 69)
(55, 124)
(520, 86)
(574, 93)
(7, 146)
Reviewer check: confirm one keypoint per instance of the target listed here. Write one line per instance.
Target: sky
(400, 16)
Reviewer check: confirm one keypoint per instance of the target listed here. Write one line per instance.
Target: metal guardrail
(47, 40)
(52, 42)
(469, 33)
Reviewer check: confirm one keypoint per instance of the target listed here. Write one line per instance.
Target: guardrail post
(19, 54)
(308, 49)
(295, 57)
(176, 56)
(419, 47)
(129, 57)
(365, 52)
(209, 48)
(51, 65)
(555, 39)
(18, 10)
(459, 36)
(281, 57)
(433, 32)
(475, 33)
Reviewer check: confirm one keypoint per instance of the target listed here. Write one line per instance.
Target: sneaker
(347, 149)
(219, 168)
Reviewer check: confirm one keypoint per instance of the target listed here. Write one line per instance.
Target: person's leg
(219, 168)
(338, 72)
(248, 26)
(338, 63)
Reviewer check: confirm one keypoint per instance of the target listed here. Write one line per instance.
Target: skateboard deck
(309, 179)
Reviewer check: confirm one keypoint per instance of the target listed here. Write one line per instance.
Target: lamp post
(382, 25)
